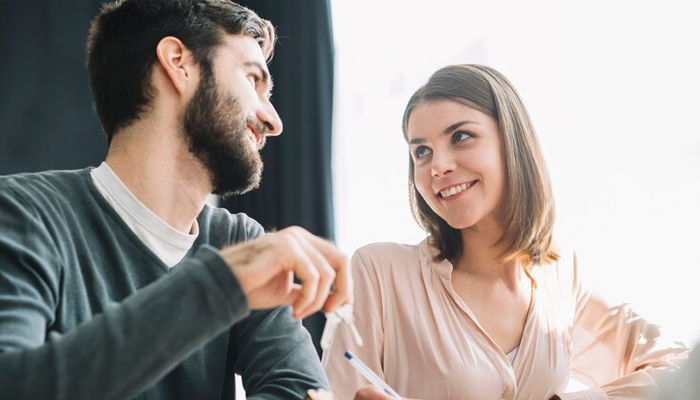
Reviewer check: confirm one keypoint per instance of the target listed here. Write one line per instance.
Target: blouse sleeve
(615, 351)
(368, 314)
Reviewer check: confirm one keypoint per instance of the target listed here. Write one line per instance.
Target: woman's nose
(442, 164)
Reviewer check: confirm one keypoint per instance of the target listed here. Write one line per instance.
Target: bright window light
(613, 90)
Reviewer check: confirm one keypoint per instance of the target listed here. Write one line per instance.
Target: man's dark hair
(121, 47)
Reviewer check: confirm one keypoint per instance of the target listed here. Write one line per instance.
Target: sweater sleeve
(275, 356)
(273, 353)
(615, 351)
(104, 357)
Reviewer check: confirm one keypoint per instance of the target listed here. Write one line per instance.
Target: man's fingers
(333, 302)
(334, 256)
(291, 296)
(326, 277)
(343, 291)
(341, 265)
(305, 270)
(264, 298)
(316, 262)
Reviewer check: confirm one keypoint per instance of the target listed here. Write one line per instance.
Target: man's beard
(214, 127)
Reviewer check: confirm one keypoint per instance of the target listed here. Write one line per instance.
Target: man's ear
(177, 62)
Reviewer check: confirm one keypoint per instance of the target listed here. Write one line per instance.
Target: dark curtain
(296, 186)
(46, 115)
(47, 119)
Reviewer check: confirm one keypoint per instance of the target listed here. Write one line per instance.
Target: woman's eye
(421, 152)
(254, 79)
(460, 136)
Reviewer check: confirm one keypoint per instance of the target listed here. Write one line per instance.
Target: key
(345, 314)
(341, 314)
(332, 321)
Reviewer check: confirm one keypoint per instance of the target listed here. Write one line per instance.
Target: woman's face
(458, 162)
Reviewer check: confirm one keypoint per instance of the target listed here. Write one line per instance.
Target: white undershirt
(166, 242)
(512, 354)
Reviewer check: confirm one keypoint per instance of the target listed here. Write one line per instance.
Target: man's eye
(421, 151)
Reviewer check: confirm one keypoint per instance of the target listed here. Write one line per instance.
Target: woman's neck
(481, 257)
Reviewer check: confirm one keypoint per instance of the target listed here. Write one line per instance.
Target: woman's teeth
(455, 189)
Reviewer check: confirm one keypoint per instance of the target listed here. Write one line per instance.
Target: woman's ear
(178, 64)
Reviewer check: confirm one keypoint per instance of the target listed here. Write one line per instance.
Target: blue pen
(370, 375)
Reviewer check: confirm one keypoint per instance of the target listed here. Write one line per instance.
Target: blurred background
(612, 88)
(613, 91)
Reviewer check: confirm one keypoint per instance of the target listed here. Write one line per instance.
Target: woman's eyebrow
(447, 130)
(456, 125)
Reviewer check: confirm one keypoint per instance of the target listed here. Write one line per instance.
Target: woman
(486, 307)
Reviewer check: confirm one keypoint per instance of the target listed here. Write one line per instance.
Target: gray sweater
(87, 311)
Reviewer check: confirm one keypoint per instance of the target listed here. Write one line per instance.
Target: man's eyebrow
(267, 79)
(447, 130)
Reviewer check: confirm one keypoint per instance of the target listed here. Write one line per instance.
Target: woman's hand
(373, 393)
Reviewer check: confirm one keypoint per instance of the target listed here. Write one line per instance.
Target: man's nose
(269, 117)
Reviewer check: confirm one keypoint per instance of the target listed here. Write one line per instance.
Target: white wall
(612, 87)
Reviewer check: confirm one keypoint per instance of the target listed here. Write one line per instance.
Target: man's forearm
(129, 346)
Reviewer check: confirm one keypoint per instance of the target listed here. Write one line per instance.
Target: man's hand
(265, 268)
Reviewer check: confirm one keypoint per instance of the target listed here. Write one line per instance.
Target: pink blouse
(424, 341)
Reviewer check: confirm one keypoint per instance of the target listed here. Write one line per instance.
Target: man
(119, 282)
